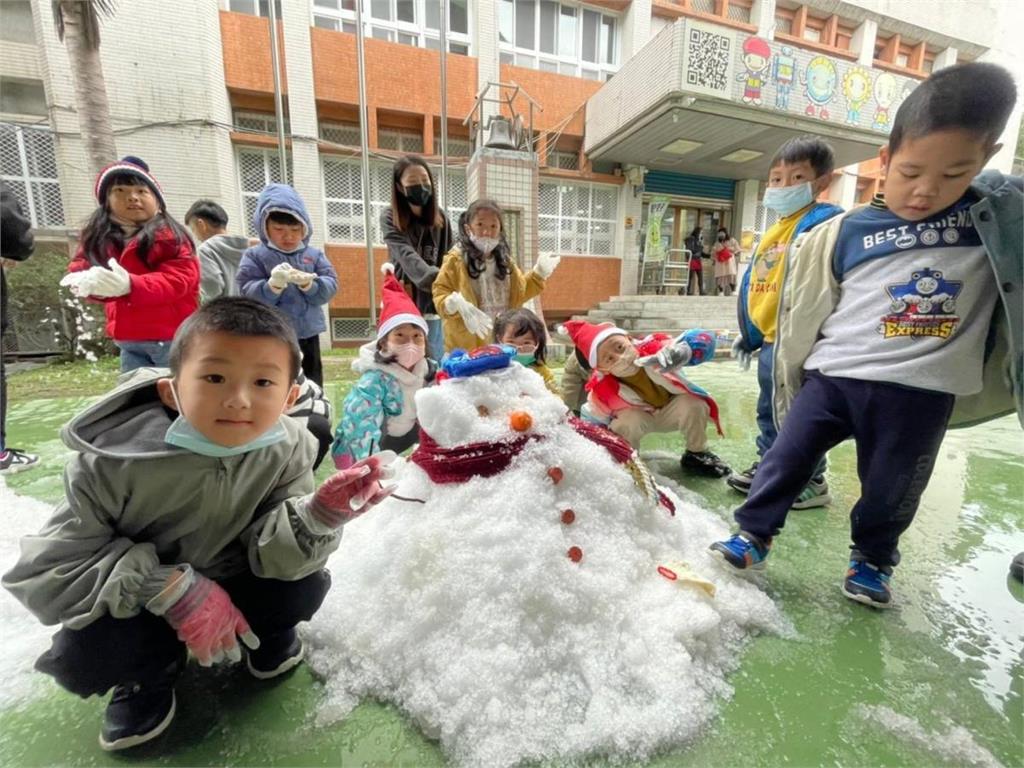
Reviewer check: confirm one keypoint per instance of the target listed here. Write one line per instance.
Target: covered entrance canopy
(702, 98)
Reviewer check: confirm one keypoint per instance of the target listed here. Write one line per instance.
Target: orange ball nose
(520, 421)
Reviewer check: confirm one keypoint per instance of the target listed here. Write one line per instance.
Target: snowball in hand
(520, 619)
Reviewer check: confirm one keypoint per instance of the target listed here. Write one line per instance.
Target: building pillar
(627, 241)
(843, 190)
(863, 42)
(762, 14)
(944, 58)
(636, 29)
(744, 217)
(488, 69)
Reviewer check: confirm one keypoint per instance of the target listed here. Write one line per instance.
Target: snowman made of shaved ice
(528, 593)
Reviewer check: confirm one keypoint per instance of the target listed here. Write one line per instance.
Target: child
(479, 278)
(190, 519)
(137, 260)
(379, 412)
(635, 388)
(899, 319)
(219, 253)
(286, 272)
(800, 171)
(523, 330)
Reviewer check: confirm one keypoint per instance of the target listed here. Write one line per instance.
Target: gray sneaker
(814, 494)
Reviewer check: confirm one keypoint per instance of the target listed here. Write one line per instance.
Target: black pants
(311, 364)
(112, 651)
(898, 432)
(324, 434)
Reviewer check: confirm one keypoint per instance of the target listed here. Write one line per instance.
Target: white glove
(667, 358)
(80, 283)
(546, 264)
(740, 354)
(476, 320)
(302, 279)
(279, 277)
(108, 283)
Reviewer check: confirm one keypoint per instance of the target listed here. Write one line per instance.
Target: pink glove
(349, 493)
(207, 622)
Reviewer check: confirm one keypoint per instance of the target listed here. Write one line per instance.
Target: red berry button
(568, 517)
(575, 554)
(556, 474)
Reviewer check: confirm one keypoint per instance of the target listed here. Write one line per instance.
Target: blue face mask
(786, 201)
(184, 435)
(526, 360)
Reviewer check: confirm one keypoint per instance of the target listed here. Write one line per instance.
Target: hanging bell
(499, 134)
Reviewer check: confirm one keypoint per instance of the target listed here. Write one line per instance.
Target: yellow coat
(548, 376)
(454, 278)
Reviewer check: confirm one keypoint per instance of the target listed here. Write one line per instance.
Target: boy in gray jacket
(190, 520)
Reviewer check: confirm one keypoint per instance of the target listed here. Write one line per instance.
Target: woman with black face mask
(418, 235)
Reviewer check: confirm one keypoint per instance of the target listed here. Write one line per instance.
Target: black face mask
(721, 238)
(418, 195)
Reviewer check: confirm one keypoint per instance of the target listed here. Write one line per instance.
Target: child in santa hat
(635, 388)
(379, 412)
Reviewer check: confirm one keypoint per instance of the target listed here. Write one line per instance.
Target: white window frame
(243, 193)
(254, 4)
(510, 53)
(29, 182)
(414, 33)
(563, 222)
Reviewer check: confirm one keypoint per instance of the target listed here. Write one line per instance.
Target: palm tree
(78, 27)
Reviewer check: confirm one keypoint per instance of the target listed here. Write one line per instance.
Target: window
(546, 35)
(568, 161)
(457, 147)
(17, 24)
(254, 7)
(343, 198)
(28, 165)
(400, 140)
(256, 169)
(739, 11)
(409, 22)
(577, 218)
(258, 122)
(341, 133)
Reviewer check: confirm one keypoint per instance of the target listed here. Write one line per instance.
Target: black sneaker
(741, 481)
(276, 655)
(13, 460)
(1017, 567)
(139, 712)
(704, 463)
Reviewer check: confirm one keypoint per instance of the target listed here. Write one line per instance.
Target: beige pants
(684, 413)
(574, 379)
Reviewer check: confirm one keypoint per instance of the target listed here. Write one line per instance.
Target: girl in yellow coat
(480, 279)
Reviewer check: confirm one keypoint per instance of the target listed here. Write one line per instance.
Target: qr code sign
(708, 61)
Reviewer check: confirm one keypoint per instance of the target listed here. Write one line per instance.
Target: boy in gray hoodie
(190, 521)
(219, 253)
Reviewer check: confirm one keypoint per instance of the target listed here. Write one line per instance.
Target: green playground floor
(938, 680)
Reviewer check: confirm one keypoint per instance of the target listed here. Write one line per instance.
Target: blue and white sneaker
(744, 550)
(868, 584)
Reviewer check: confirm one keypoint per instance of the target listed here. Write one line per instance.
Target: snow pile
(24, 637)
(467, 611)
(956, 746)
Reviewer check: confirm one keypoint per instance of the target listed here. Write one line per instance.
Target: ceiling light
(741, 156)
(681, 146)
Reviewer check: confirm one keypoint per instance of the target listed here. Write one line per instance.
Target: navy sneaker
(741, 481)
(869, 584)
(744, 550)
(276, 655)
(139, 712)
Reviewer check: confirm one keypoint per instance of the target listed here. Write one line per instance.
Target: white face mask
(183, 435)
(485, 244)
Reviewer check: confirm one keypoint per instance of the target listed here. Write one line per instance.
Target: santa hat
(588, 337)
(396, 308)
(132, 166)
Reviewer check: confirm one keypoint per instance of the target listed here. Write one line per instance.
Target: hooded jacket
(219, 258)
(302, 307)
(135, 507)
(812, 283)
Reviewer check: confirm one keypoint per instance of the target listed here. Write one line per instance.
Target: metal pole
(364, 141)
(278, 102)
(442, 198)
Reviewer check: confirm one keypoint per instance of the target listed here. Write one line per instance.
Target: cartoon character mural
(820, 85)
(857, 90)
(885, 94)
(783, 73)
(756, 57)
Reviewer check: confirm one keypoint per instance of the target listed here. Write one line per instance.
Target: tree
(78, 27)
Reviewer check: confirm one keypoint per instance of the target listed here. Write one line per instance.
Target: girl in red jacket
(137, 260)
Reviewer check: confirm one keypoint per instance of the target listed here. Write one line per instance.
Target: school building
(670, 105)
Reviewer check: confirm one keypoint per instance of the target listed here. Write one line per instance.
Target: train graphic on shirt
(922, 307)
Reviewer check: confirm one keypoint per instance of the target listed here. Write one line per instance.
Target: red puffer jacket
(162, 295)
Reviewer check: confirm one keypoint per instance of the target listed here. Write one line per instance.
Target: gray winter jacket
(136, 507)
(219, 257)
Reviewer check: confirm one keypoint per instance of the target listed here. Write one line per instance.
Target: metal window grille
(341, 133)
(456, 147)
(28, 165)
(258, 122)
(764, 219)
(400, 140)
(568, 161)
(703, 6)
(738, 12)
(256, 169)
(577, 218)
(351, 329)
(343, 200)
